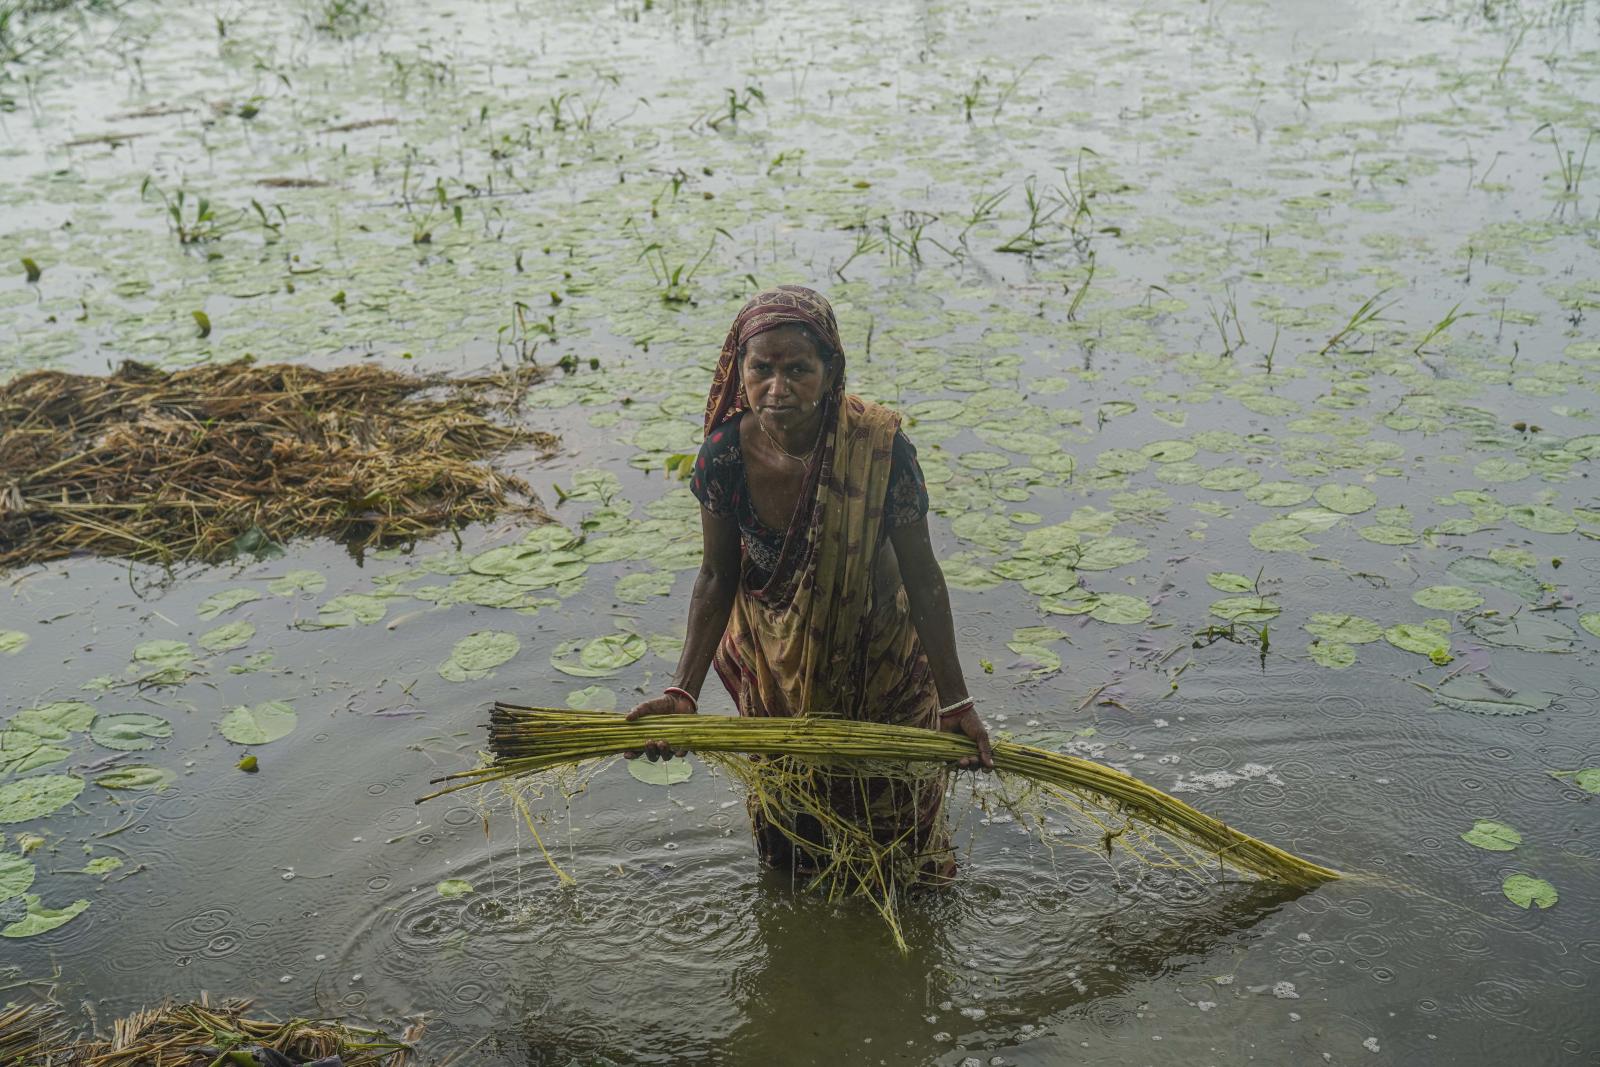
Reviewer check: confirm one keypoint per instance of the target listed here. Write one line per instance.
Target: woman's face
(784, 378)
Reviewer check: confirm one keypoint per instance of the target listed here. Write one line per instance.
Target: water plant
(191, 219)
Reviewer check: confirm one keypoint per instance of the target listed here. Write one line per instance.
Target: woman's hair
(822, 350)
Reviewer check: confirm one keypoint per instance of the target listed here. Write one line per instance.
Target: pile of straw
(196, 1035)
(199, 463)
(1051, 792)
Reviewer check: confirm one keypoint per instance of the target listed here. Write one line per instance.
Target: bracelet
(960, 707)
(694, 705)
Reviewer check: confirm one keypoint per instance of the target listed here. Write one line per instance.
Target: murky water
(1174, 401)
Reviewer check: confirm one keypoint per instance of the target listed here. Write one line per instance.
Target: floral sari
(820, 637)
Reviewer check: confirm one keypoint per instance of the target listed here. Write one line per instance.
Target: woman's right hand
(665, 704)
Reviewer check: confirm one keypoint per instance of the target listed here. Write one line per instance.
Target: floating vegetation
(1061, 796)
(207, 462)
(196, 1035)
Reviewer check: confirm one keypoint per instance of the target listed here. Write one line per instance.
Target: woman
(818, 593)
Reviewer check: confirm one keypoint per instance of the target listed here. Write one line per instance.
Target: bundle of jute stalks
(1120, 810)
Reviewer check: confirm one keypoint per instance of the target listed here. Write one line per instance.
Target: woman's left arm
(930, 613)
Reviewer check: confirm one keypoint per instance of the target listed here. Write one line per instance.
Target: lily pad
(1278, 494)
(1343, 629)
(226, 600)
(599, 657)
(228, 637)
(1480, 570)
(593, 698)
(1491, 835)
(1425, 639)
(136, 777)
(1119, 609)
(16, 875)
(1588, 780)
(455, 887)
(1331, 654)
(1447, 598)
(1481, 695)
(1534, 631)
(55, 721)
(1541, 518)
(102, 865)
(296, 582)
(351, 609)
(639, 588)
(1245, 609)
(1525, 891)
(476, 655)
(661, 772)
(1590, 620)
(40, 919)
(260, 725)
(12, 641)
(1345, 499)
(131, 732)
(1226, 582)
(1107, 553)
(38, 796)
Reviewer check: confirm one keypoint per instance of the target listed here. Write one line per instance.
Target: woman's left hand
(971, 725)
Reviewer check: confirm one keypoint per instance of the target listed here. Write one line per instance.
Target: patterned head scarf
(783, 306)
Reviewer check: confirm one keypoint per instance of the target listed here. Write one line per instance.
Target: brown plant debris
(200, 463)
(198, 1035)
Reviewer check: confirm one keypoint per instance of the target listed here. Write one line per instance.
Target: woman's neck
(798, 440)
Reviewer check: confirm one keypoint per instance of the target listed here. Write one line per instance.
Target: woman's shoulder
(722, 441)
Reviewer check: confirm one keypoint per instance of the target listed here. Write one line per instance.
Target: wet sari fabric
(818, 638)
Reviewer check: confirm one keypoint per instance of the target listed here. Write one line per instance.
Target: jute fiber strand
(525, 741)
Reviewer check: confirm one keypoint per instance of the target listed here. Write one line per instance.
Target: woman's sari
(820, 638)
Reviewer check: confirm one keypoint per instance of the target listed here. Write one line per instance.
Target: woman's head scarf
(786, 305)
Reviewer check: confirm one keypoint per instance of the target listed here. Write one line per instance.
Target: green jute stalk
(526, 740)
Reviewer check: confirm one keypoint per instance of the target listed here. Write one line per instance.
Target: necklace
(798, 459)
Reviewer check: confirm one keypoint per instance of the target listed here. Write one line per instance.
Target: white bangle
(959, 706)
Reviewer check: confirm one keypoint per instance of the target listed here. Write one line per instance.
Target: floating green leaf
(228, 637)
(259, 725)
(131, 732)
(136, 777)
(1525, 891)
(1479, 570)
(55, 721)
(1534, 631)
(1345, 499)
(639, 588)
(1278, 494)
(1229, 479)
(476, 655)
(1541, 518)
(1588, 780)
(1331, 654)
(1590, 620)
(601, 656)
(1481, 695)
(102, 865)
(296, 582)
(40, 919)
(593, 698)
(226, 600)
(16, 875)
(1500, 469)
(1343, 629)
(350, 609)
(1119, 609)
(1425, 639)
(1494, 836)
(455, 887)
(661, 772)
(1388, 535)
(1447, 598)
(33, 798)
(1226, 582)
(1106, 553)
(1245, 609)
(12, 641)
(1041, 660)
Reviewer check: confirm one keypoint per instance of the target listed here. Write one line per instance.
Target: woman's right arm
(709, 607)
